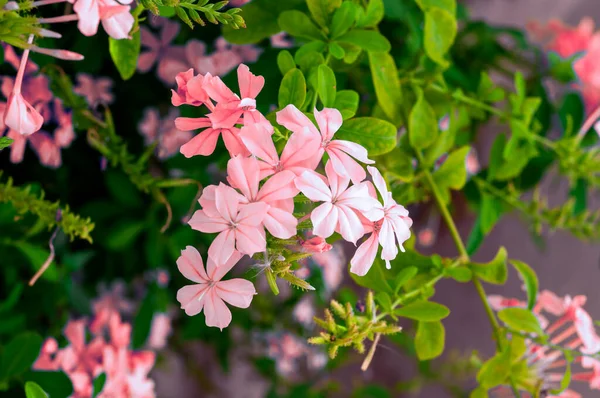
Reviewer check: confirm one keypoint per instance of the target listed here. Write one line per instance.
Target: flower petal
(244, 174)
(222, 248)
(324, 219)
(313, 187)
(250, 240)
(216, 312)
(203, 144)
(203, 223)
(237, 292)
(227, 202)
(364, 256)
(280, 223)
(191, 266)
(329, 121)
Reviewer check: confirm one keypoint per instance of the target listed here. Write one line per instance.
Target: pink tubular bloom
(210, 293)
(316, 245)
(341, 153)
(298, 155)
(244, 174)
(340, 204)
(239, 226)
(390, 225)
(190, 90)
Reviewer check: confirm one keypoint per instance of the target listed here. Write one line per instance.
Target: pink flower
(221, 61)
(230, 107)
(298, 155)
(21, 116)
(159, 331)
(64, 133)
(390, 227)
(96, 91)
(190, 90)
(339, 211)
(316, 244)
(209, 292)
(304, 311)
(341, 153)
(563, 39)
(164, 131)
(333, 266)
(238, 226)
(205, 143)
(244, 174)
(116, 19)
(281, 40)
(49, 358)
(158, 48)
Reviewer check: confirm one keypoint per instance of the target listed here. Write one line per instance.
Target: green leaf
(440, 32)
(448, 5)
(374, 14)
(37, 256)
(452, 174)
(426, 311)
(292, 89)
(565, 381)
(12, 299)
(346, 101)
(387, 85)
(122, 190)
(377, 135)
(430, 340)
(521, 319)
(343, 19)
(475, 238)
(261, 18)
(495, 271)
(326, 86)
(320, 10)
(5, 142)
(143, 320)
(460, 274)
(422, 124)
(19, 354)
(491, 210)
(495, 371)
(479, 392)
(403, 277)
(336, 50)
(285, 62)
(98, 384)
(56, 384)
(384, 300)
(530, 279)
(124, 234)
(298, 24)
(125, 53)
(375, 279)
(32, 390)
(368, 40)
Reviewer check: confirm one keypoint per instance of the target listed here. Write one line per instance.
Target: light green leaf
(377, 135)
(285, 62)
(375, 279)
(521, 319)
(448, 5)
(125, 53)
(32, 390)
(430, 340)
(565, 381)
(326, 86)
(530, 280)
(298, 24)
(261, 18)
(387, 85)
(440, 32)
(292, 89)
(422, 124)
(384, 301)
(495, 271)
(5, 142)
(343, 19)
(403, 277)
(320, 10)
(460, 274)
(495, 371)
(368, 40)
(336, 50)
(373, 15)
(491, 210)
(425, 311)
(346, 101)
(479, 392)
(453, 173)
(19, 354)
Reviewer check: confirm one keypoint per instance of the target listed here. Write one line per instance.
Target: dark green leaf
(495, 271)
(320, 10)
(430, 340)
(343, 19)
(143, 320)
(99, 384)
(521, 319)
(387, 85)
(285, 62)
(56, 384)
(292, 89)
(425, 311)
(32, 390)
(346, 101)
(368, 40)
(422, 124)
(490, 212)
(124, 234)
(476, 236)
(326, 86)
(298, 24)
(530, 279)
(377, 135)
(19, 354)
(125, 53)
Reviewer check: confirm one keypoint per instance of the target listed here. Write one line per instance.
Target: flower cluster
(572, 328)
(262, 185)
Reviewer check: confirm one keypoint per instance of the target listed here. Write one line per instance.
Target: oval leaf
(125, 53)
(521, 319)
(326, 86)
(493, 272)
(343, 19)
(440, 32)
(530, 280)
(387, 85)
(292, 89)
(422, 124)
(298, 24)
(377, 135)
(346, 101)
(403, 277)
(368, 40)
(285, 62)
(495, 371)
(19, 354)
(32, 390)
(430, 340)
(426, 311)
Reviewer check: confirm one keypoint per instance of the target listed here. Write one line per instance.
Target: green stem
(489, 312)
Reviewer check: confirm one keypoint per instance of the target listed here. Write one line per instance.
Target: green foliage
(521, 319)
(32, 390)
(189, 12)
(530, 279)
(18, 355)
(430, 340)
(326, 86)
(495, 271)
(5, 142)
(425, 311)
(422, 124)
(125, 52)
(292, 89)
(377, 135)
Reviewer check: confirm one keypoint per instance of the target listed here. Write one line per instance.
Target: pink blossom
(210, 293)
(205, 143)
(163, 131)
(49, 358)
(563, 39)
(244, 174)
(390, 228)
(190, 90)
(340, 204)
(281, 40)
(115, 18)
(158, 48)
(298, 155)
(333, 264)
(341, 153)
(96, 91)
(222, 60)
(304, 311)
(160, 329)
(316, 244)
(239, 227)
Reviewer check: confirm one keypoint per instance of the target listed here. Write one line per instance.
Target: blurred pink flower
(333, 264)
(222, 60)
(159, 331)
(95, 90)
(564, 40)
(304, 311)
(164, 131)
(281, 40)
(210, 293)
(316, 244)
(239, 227)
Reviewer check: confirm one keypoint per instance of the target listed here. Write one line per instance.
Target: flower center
(247, 104)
